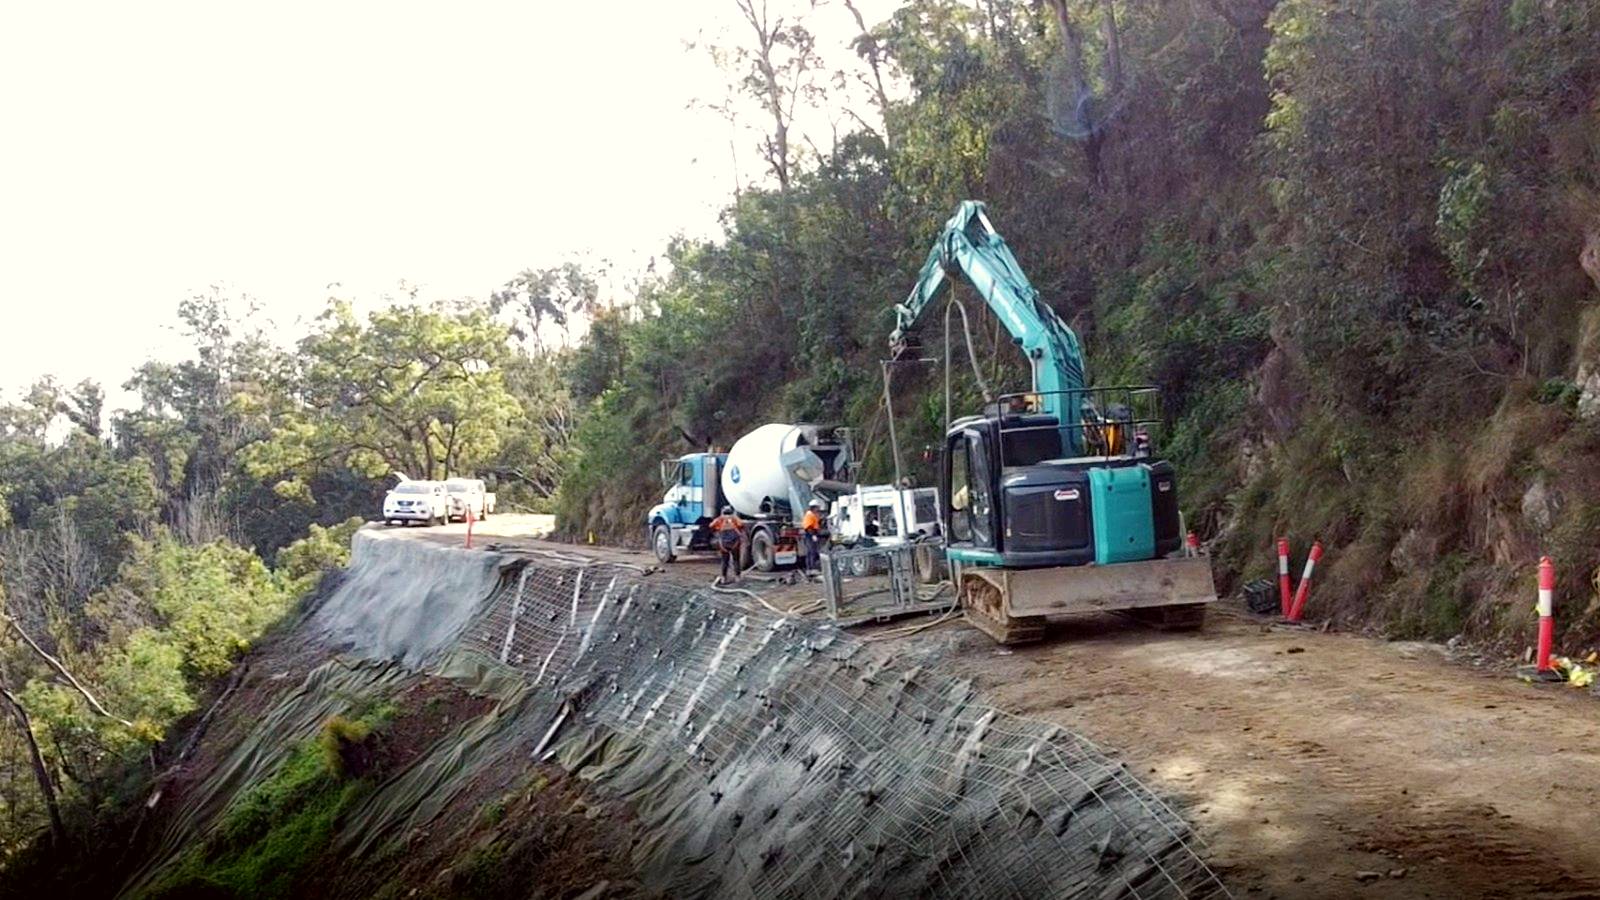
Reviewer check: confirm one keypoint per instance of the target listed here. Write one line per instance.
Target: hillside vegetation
(1356, 242)
(1349, 240)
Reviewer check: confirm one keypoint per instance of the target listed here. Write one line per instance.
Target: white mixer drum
(754, 471)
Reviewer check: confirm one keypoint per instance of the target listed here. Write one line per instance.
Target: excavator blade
(1011, 605)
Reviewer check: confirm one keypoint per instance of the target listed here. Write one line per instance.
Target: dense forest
(1357, 244)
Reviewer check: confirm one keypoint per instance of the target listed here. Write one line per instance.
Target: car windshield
(414, 487)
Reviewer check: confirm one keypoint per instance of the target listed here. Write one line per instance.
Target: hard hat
(727, 510)
(816, 504)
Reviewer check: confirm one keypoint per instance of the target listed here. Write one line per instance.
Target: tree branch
(56, 664)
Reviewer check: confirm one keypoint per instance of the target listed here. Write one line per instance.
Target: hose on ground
(913, 629)
(800, 610)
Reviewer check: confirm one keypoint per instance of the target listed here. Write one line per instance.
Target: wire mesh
(826, 766)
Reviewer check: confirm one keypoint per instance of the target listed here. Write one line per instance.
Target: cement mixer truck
(769, 477)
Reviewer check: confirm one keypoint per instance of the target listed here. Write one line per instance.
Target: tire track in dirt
(1308, 759)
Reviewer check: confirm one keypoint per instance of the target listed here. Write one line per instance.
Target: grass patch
(276, 831)
(1441, 611)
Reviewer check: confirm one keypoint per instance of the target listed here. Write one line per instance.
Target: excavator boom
(969, 245)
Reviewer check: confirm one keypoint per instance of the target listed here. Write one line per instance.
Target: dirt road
(1314, 765)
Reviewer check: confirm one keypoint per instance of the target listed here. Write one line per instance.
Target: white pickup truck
(416, 501)
(469, 494)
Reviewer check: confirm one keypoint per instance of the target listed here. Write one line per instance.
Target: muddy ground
(1313, 764)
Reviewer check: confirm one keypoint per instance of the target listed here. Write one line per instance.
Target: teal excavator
(1051, 500)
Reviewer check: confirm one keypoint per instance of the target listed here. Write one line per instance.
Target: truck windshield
(459, 487)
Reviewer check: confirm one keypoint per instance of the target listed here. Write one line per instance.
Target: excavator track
(984, 607)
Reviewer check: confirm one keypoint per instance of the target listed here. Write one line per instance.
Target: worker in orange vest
(811, 526)
(727, 533)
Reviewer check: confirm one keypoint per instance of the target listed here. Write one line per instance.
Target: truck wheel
(861, 566)
(661, 542)
(485, 515)
(763, 551)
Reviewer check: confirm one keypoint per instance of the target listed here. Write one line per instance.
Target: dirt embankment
(1314, 765)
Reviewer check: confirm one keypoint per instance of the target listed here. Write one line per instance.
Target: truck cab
(692, 496)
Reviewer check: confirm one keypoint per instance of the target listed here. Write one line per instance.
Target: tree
(412, 390)
(872, 51)
(777, 70)
(555, 295)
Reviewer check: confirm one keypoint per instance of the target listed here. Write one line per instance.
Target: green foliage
(213, 599)
(1559, 392)
(413, 390)
(271, 836)
(302, 564)
(339, 739)
(144, 678)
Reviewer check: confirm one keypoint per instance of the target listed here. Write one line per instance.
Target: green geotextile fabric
(327, 691)
(410, 798)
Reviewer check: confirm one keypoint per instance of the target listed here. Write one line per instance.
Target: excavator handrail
(1091, 399)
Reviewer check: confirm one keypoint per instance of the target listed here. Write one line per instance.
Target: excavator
(1052, 502)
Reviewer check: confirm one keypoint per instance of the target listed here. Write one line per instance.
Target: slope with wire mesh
(776, 756)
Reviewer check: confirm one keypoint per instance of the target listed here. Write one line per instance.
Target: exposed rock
(1415, 551)
(1540, 504)
(1589, 256)
(1277, 392)
(1588, 393)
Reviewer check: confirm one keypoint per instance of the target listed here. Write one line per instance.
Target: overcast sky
(152, 149)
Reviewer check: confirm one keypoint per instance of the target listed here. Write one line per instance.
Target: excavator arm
(970, 246)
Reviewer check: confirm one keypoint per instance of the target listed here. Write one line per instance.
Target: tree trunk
(1078, 86)
(1113, 38)
(871, 50)
(777, 149)
(41, 774)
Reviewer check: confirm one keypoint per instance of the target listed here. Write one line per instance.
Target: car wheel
(661, 542)
(762, 551)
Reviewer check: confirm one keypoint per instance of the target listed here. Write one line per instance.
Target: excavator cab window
(960, 504)
(968, 477)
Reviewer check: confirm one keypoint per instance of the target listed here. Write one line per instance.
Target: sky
(291, 151)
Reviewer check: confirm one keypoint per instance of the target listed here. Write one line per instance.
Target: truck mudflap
(1010, 605)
